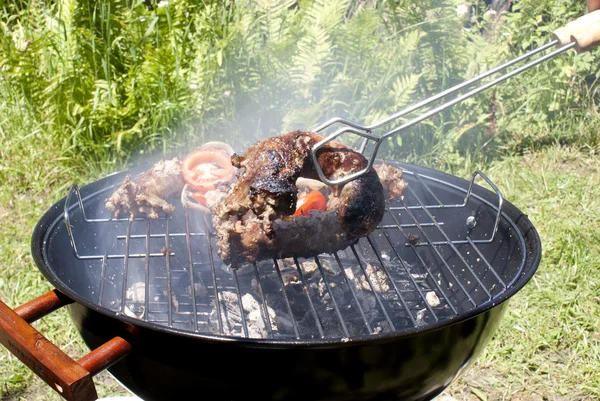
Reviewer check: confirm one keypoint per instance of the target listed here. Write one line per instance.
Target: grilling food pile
(269, 202)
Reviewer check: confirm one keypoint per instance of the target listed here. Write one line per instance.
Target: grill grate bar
(125, 268)
(439, 202)
(102, 280)
(375, 293)
(310, 302)
(424, 265)
(130, 256)
(452, 246)
(353, 291)
(412, 280)
(239, 295)
(214, 277)
(469, 268)
(168, 266)
(287, 300)
(159, 235)
(402, 300)
(466, 200)
(333, 301)
(464, 204)
(147, 272)
(191, 266)
(265, 308)
(437, 250)
(406, 225)
(488, 264)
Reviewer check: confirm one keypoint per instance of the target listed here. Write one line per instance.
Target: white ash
(230, 314)
(351, 277)
(232, 320)
(378, 279)
(293, 280)
(309, 266)
(225, 268)
(421, 317)
(321, 287)
(136, 292)
(346, 299)
(432, 298)
(141, 310)
(251, 305)
(175, 302)
(287, 263)
(135, 297)
(328, 266)
(242, 270)
(385, 257)
(291, 277)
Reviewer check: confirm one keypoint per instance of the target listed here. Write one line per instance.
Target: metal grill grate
(436, 254)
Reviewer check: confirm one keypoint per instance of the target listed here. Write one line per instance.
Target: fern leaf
(313, 50)
(403, 89)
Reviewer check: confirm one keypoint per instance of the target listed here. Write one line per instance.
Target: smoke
(293, 66)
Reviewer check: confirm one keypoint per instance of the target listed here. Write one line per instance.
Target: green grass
(33, 177)
(548, 344)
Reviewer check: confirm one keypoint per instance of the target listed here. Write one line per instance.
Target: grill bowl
(408, 348)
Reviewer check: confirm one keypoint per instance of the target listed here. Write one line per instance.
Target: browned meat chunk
(146, 195)
(391, 179)
(255, 220)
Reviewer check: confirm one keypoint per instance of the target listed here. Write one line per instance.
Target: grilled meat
(301, 236)
(146, 194)
(254, 221)
(391, 179)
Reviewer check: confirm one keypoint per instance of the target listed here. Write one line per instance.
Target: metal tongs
(582, 34)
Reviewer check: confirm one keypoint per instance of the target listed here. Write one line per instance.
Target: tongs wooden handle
(582, 34)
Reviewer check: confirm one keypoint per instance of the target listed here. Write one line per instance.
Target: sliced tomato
(203, 168)
(199, 197)
(314, 200)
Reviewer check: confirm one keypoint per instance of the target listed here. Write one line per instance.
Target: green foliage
(553, 103)
(111, 80)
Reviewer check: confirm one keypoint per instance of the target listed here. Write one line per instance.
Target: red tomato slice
(313, 201)
(199, 197)
(203, 168)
